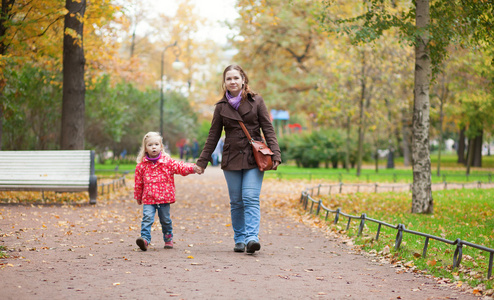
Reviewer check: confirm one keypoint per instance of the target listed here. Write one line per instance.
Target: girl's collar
(155, 159)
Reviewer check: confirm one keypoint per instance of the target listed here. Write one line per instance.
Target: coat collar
(229, 112)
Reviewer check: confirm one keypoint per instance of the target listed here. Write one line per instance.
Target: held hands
(139, 201)
(198, 170)
(275, 165)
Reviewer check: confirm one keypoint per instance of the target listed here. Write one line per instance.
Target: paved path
(82, 252)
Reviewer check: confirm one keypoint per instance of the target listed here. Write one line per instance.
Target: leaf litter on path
(202, 263)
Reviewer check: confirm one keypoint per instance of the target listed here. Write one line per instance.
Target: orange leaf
(431, 263)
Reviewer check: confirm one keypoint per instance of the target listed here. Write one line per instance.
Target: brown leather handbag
(262, 153)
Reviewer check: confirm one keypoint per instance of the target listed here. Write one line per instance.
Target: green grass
(450, 171)
(402, 175)
(464, 214)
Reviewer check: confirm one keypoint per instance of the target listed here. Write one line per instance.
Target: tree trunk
(133, 43)
(461, 147)
(406, 141)
(477, 152)
(1, 115)
(74, 89)
(421, 189)
(441, 118)
(5, 17)
(361, 118)
(376, 166)
(469, 161)
(390, 164)
(347, 155)
(442, 98)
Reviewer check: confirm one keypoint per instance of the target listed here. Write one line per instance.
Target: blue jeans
(244, 188)
(148, 212)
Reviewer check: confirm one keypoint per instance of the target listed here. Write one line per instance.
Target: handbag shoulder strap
(245, 131)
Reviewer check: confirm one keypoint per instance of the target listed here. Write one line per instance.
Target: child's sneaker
(169, 245)
(142, 243)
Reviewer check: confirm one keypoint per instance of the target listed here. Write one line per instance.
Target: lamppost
(176, 65)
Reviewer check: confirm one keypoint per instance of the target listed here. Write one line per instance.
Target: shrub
(310, 149)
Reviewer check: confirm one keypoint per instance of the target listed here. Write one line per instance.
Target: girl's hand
(275, 164)
(198, 170)
(139, 201)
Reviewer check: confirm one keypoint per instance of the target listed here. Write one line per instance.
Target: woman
(243, 178)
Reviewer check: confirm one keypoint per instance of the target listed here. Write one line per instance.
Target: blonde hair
(146, 137)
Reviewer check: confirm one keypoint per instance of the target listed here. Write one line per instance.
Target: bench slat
(40, 182)
(46, 188)
(45, 170)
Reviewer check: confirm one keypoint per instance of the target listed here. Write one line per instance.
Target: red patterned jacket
(154, 183)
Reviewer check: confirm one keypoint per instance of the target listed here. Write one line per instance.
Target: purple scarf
(234, 101)
(154, 160)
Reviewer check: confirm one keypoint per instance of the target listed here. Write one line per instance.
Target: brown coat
(237, 152)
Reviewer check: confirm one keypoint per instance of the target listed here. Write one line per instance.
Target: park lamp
(176, 65)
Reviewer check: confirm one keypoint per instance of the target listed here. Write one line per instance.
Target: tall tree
(74, 88)
(5, 16)
(461, 21)
(284, 40)
(422, 201)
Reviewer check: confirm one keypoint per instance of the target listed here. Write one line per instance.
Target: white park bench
(47, 170)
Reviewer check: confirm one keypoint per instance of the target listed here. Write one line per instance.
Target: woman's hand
(198, 170)
(276, 164)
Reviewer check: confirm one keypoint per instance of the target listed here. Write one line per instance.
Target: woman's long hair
(245, 88)
(147, 136)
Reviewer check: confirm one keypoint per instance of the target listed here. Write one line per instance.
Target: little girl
(155, 187)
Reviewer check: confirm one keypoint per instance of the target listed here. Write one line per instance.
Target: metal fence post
(489, 271)
(458, 254)
(348, 224)
(424, 252)
(378, 231)
(362, 223)
(318, 207)
(399, 236)
(337, 216)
